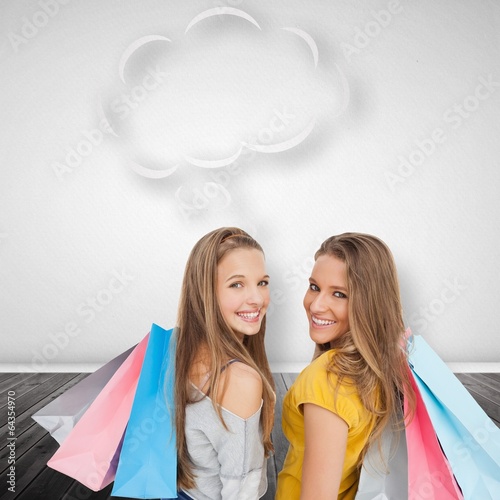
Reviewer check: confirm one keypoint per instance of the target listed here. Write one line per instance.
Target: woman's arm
(241, 451)
(243, 390)
(325, 447)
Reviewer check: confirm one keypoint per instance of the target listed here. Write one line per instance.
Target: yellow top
(317, 386)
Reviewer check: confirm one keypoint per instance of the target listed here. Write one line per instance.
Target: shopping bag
(429, 473)
(147, 466)
(384, 475)
(90, 451)
(60, 415)
(470, 440)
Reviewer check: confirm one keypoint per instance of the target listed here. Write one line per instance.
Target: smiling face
(242, 290)
(326, 301)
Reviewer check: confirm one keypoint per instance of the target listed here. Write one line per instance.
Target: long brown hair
(372, 354)
(200, 323)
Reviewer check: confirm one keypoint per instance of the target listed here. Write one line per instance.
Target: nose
(318, 304)
(255, 296)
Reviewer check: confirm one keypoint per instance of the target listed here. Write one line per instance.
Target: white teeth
(249, 315)
(322, 322)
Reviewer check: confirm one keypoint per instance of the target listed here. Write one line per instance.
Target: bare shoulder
(243, 394)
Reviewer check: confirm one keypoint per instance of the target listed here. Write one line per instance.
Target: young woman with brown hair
(341, 403)
(224, 391)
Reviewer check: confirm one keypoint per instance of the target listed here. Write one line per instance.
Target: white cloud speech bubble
(226, 85)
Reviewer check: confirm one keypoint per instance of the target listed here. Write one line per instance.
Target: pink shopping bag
(429, 473)
(89, 453)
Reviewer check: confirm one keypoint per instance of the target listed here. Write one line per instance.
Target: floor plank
(22, 388)
(494, 376)
(487, 397)
(31, 464)
(35, 446)
(37, 388)
(488, 382)
(28, 432)
(481, 385)
(8, 381)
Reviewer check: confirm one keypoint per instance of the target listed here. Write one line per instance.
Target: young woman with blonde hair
(224, 391)
(340, 404)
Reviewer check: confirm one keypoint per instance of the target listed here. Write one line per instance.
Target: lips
(318, 322)
(249, 316)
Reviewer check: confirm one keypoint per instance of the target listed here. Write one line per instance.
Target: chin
(321, 339)
(252, 333)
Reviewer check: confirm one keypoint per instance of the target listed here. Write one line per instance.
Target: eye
(340, 295)
(236, 285)
(263, 283)
(313, 287)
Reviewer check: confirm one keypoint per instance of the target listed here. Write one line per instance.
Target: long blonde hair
(372, 354)
(200, 323)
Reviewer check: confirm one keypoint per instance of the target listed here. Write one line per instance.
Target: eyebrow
(332, 287)
(239, 276)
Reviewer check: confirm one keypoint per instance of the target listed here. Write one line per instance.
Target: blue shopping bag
(469, 438)
(147, 466)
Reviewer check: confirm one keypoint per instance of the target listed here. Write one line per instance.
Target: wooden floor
(34, 446)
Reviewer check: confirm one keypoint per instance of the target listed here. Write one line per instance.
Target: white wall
(394, 82)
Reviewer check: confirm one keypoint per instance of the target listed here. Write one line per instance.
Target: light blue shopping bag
(147, 466)
(469, 438)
